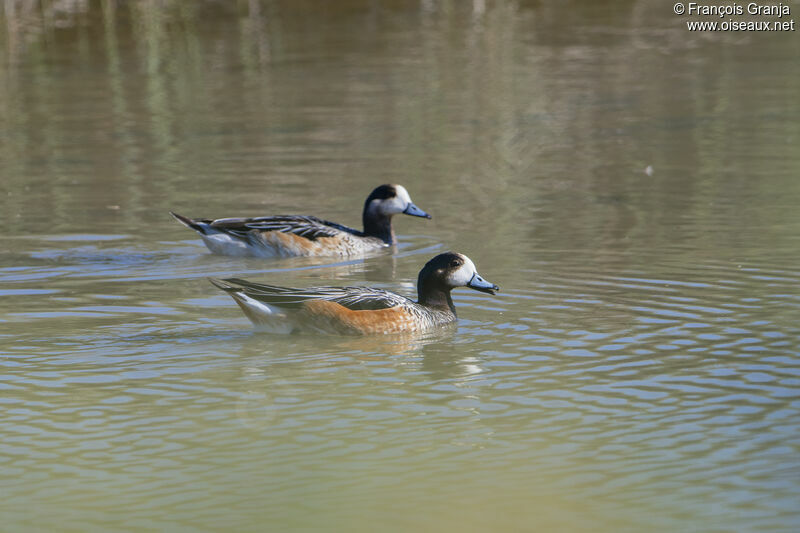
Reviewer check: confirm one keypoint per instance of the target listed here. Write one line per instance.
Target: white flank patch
(224, 244)
(264, 316)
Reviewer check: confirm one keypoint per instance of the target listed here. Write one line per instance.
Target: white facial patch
(395, 205)
(402, 193)
(460, 277)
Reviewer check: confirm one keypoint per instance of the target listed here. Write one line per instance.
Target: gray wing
(354, 298)
(305, 226)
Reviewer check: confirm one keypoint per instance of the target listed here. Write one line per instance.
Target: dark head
(444, 273)
(381, 205)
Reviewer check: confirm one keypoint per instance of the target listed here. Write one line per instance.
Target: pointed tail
(224, 285)
(196, 225)
(261, 314)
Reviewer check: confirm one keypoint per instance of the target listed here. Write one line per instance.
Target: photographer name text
(779, 13)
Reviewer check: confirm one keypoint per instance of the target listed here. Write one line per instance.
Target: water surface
(633, 189)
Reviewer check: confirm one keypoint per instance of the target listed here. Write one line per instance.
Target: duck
(359, 310)
(307, 236)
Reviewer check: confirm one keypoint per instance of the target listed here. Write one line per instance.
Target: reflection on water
(630, 186)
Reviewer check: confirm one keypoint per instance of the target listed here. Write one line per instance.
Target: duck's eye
(455, 263)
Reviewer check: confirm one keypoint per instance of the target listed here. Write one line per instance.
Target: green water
(631, 186)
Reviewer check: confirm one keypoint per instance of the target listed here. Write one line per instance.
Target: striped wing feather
(304, 226)
(353, 298)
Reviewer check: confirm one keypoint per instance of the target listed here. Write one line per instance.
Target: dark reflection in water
(632, 187)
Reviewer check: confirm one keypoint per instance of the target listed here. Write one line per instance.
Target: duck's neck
(435, 297)
(378, 225)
